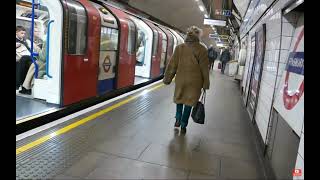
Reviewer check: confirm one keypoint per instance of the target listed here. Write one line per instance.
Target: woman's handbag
(198, 113)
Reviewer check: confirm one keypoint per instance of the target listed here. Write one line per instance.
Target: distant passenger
(189, 63)
(225, 58)
(140, 39)
(37, 37)
(140, 54)
(212, 55)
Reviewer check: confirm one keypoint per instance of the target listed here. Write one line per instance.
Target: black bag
(198, 113)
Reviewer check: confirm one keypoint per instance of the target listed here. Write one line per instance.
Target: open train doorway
(144, 40)
(38, 65)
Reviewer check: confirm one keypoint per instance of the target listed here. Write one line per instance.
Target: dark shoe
(183, 130)
(177, 124)
(25, 91)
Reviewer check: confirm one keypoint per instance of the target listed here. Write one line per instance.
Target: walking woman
(190, 65)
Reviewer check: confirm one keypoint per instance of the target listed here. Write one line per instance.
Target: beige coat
(190, 76)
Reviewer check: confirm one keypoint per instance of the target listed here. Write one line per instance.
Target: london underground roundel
(289, 99)
(295, 65)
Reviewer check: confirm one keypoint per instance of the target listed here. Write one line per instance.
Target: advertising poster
(256, 70)
(248, 75)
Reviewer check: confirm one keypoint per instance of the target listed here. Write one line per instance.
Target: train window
(172, 42)
(109, 39)
(155, 42)
(77, 28)
(163, 55)
(131, 37)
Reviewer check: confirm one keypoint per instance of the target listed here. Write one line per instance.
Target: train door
(170, 43)
(156, 50)
(108, 50)
(39, 79)
(163, 52)
(127, 56)
(144, 50)
(81, 58)
(175, 41)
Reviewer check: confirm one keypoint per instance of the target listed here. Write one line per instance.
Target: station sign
(214, 22)
(223, 12)
(212, 36)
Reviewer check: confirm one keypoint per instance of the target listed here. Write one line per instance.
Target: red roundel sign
(106, 64)
(295, 65)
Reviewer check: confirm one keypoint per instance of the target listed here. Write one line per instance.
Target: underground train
(93, 47)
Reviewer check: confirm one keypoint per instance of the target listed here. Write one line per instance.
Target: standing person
(212, 55)
(190, 65)
(225, 58)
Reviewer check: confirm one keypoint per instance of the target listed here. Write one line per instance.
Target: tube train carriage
(93, 48)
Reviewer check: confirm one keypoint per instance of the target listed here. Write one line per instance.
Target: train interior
(144, 41)
(41, 94)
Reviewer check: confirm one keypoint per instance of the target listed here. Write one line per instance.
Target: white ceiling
(178, 13)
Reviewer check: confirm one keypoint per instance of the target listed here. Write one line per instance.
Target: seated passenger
(22, 44)
(23, 52)
(41, 62)
(37, 37)
(23, 55)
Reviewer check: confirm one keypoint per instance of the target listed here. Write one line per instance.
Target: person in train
(212, 55)
(140, 39)
(189, 63)
(23, 55)
(140, 54)
(224, 58)
(41, 62)
(37, 37)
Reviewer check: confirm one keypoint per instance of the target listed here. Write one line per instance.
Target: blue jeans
(183, 114)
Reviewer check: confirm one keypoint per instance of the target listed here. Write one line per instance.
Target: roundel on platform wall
(290, 96)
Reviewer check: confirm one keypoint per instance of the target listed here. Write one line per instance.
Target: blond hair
(194, 31)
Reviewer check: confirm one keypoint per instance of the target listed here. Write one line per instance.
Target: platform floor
(138, 141)
(139, 80)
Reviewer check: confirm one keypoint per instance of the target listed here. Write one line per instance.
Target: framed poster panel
(257, 70)
(248, 77)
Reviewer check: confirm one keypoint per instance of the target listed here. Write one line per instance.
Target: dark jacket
(225, 56)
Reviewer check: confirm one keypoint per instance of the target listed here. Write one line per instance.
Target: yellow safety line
(80, 122)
